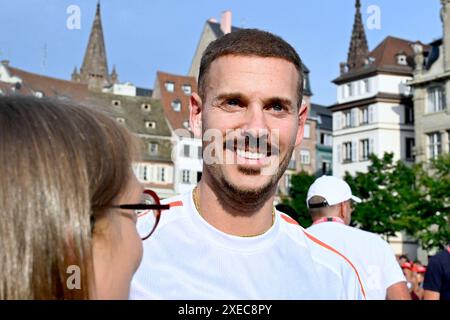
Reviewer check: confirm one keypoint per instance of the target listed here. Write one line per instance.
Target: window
(326, 139)
(305, 157)
(365, 149)
(434, 145)
(186, 150)
(307, 131)
(364, 116)
(409, 152)
(116, 103)
(176, 105)
(146, 107)
(150, 124)
(287, 182)
(409, 115)
(153, 148)
(401, 59)
(200, 152)
(436, 98)
(292, 165)
(170, 86)
(347, 119)
(350, 89)
(162, 174)
(347, 152)
(448, 138)
(144, 173)
(186, 176)
(120, 120)
(187, 89)
(365, 86)
(326, 167)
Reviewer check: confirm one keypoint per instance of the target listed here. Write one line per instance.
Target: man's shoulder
(354, 234)
(178, 205)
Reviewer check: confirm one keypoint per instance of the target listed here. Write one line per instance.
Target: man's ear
(302, 116)
(195, 114)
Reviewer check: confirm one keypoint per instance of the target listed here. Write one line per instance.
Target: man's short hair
(249, 42)
(321, 211)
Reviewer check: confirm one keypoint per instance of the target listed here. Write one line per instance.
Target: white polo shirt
(371, 255)
(187, 258)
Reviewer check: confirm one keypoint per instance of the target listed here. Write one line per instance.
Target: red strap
(329, 219)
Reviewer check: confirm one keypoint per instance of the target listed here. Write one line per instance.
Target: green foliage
(297, 197)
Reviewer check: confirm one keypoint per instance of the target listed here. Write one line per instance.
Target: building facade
(174, 92)
(431, 87)
(374, 111)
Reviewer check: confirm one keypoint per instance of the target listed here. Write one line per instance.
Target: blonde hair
(61, 165)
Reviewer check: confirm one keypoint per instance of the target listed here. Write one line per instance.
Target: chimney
(225, 22)
(445, 17)
(343, 67)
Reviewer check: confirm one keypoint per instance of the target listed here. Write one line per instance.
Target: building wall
(192, 163)
(425, 121)
(380, 83)
(385, 131)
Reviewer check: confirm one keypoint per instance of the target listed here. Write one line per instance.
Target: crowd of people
(69, 199)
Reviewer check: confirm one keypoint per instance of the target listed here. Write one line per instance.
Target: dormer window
(150, 124)
(176, 105)
(170, 86)
(402, 59)
(116, 103)
(187, 89)
(146, 107)
(39, 94)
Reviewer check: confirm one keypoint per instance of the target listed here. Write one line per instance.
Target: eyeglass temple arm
(143, 206)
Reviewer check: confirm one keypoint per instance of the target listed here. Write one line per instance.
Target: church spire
(358, 51)
(94, 70)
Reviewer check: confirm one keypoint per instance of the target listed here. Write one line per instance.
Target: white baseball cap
(332, 189)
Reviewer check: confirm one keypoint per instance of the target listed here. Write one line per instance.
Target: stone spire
(358, 52)
(114, 76)
(94, 70)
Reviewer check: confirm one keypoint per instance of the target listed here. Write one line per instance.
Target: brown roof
(175, 118)
(50, 87)
(384, 60)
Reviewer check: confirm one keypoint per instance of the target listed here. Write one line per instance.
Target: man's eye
(233, 102)
(277, 107)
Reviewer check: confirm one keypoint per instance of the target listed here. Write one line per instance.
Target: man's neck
(213, 208)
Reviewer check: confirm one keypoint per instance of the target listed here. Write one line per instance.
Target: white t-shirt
(187, 258)
(371, 255)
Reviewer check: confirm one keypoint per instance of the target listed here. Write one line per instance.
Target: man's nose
(255, 119)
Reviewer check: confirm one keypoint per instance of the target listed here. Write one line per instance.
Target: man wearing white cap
(330, 202)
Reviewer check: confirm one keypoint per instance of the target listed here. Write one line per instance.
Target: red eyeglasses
(148, 212)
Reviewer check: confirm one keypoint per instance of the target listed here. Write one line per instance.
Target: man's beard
(244, 201)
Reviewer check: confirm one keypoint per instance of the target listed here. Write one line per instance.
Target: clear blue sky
(143, 36)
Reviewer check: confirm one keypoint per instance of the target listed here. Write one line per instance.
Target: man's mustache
(252, 143)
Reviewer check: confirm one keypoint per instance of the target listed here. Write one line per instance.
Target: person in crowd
(330, 202)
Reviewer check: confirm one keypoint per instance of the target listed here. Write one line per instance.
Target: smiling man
(226, 240)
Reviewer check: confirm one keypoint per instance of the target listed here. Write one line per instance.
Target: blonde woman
(67, 192)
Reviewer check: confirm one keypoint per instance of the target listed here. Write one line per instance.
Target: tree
(297, 197)
(397, 197)
(388, 190)
(430, 220)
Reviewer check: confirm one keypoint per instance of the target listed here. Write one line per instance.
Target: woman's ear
(195, 114)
